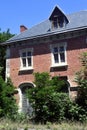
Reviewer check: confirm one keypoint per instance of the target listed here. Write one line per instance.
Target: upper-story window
(58, 22)
(26, 57)
(58, 19)
(59, 54)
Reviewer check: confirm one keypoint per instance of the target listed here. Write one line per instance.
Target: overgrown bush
(8, 107)
(81, 79)
(49, 101)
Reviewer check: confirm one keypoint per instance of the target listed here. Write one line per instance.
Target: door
(26, 106)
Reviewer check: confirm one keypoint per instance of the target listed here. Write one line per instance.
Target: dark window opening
(56, 60)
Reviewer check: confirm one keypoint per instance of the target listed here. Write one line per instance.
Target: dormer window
(58, 22)
(58, 19)
(55, 22)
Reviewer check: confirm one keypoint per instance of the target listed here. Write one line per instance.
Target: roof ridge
(77, 12)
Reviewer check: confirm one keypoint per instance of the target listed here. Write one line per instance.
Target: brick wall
(42, 60)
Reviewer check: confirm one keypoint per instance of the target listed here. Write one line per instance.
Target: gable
(58, 19)
(57, 12)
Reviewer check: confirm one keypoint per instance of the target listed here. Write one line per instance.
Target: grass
(6, 124)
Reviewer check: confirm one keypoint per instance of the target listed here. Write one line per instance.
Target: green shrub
(51, 102)
(8, 107)
(46, 100)
(81, 80)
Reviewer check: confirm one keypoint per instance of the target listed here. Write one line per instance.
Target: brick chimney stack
(22, 28)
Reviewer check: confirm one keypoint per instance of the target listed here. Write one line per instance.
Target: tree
(81, 79)
(8, 107)
(48, 98)
(3, 37)
(51, 102)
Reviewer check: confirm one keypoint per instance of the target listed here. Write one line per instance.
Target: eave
(45, 35)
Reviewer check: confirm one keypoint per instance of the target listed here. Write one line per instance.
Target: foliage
(8, 106)
(3, 37)
(46, 100)
(50, 101)
(81, 79)
(76, 112)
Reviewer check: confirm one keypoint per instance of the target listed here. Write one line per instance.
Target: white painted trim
(20, 100)
(23, 84)
(26, 68)
(21, 65)
(7, 73)
(60, 64)
(27, 82)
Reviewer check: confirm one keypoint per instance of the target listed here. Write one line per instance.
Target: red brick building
(52, 46)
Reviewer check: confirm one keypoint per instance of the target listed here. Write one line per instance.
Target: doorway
(25, 106)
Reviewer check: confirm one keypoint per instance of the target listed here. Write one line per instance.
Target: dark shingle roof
(76, 21)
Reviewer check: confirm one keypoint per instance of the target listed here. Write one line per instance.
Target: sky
(14, 13)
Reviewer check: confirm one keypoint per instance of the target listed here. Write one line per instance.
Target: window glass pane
(24, 62)
(55, 24)
(55, 49)
(62, 57)
(29, 53)
(24, 54)
(61, 49)
(60, 24)
(56, 60)
(29, 61)
(61, 20)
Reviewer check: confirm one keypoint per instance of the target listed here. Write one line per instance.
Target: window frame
(60, 63)
(26, 67)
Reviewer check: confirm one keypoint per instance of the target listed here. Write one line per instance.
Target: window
(58, 22)
(59, 54)
(26, 59)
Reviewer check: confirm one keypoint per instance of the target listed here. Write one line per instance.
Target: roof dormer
(58, 19)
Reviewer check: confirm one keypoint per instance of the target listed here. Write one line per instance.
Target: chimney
(22, 28)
